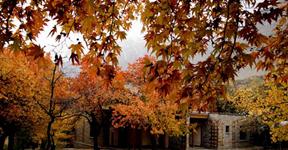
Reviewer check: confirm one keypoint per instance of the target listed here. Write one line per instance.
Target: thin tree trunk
(48, 136)
(95, 129)
(11, 141)
(154, 142)
(95, 143)
(50, 145)
(2, 140)
(95, 134)
(43, 144)
(53, 146)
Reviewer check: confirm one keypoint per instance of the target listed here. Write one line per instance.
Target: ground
(192, 148)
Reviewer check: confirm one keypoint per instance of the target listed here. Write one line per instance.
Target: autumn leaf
(74, 58)
(121, 35)
(77, 49)
(58, 60)
(53, 31)
(35, 51)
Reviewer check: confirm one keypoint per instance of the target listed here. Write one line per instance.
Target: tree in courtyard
(97, 97)
(53, 98)
(149, 109)
(267, 103)
(17, 91)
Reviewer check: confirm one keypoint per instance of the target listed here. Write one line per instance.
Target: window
(227, 129)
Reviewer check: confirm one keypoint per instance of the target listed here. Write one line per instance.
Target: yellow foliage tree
(18, 89)
(269, 104)
(54, 99)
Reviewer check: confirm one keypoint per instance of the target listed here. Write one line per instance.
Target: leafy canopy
(224, 32)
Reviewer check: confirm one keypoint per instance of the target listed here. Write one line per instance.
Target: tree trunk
(95, 128)
(95, 143)
(50, 143)
(53, 146)
(43, 144)
(48, 136)
(2, 140)
(11, 141)
(154, 142)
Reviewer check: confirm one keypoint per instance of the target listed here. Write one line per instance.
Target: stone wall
(82, 137)
(210, 134)
(229, 130)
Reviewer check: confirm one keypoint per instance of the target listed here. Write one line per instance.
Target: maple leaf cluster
(101, 24)
(224, 32)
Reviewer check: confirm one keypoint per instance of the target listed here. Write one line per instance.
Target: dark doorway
(123, 137)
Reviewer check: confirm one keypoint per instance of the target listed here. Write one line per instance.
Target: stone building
(220, 131)
(214, 130)
(117, 137)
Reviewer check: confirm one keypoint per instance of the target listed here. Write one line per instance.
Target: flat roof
(199, 115)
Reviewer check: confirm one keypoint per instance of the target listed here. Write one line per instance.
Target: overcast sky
(132, 48)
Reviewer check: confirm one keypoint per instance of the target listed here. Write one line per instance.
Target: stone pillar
(187, 135)
(166, 141)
